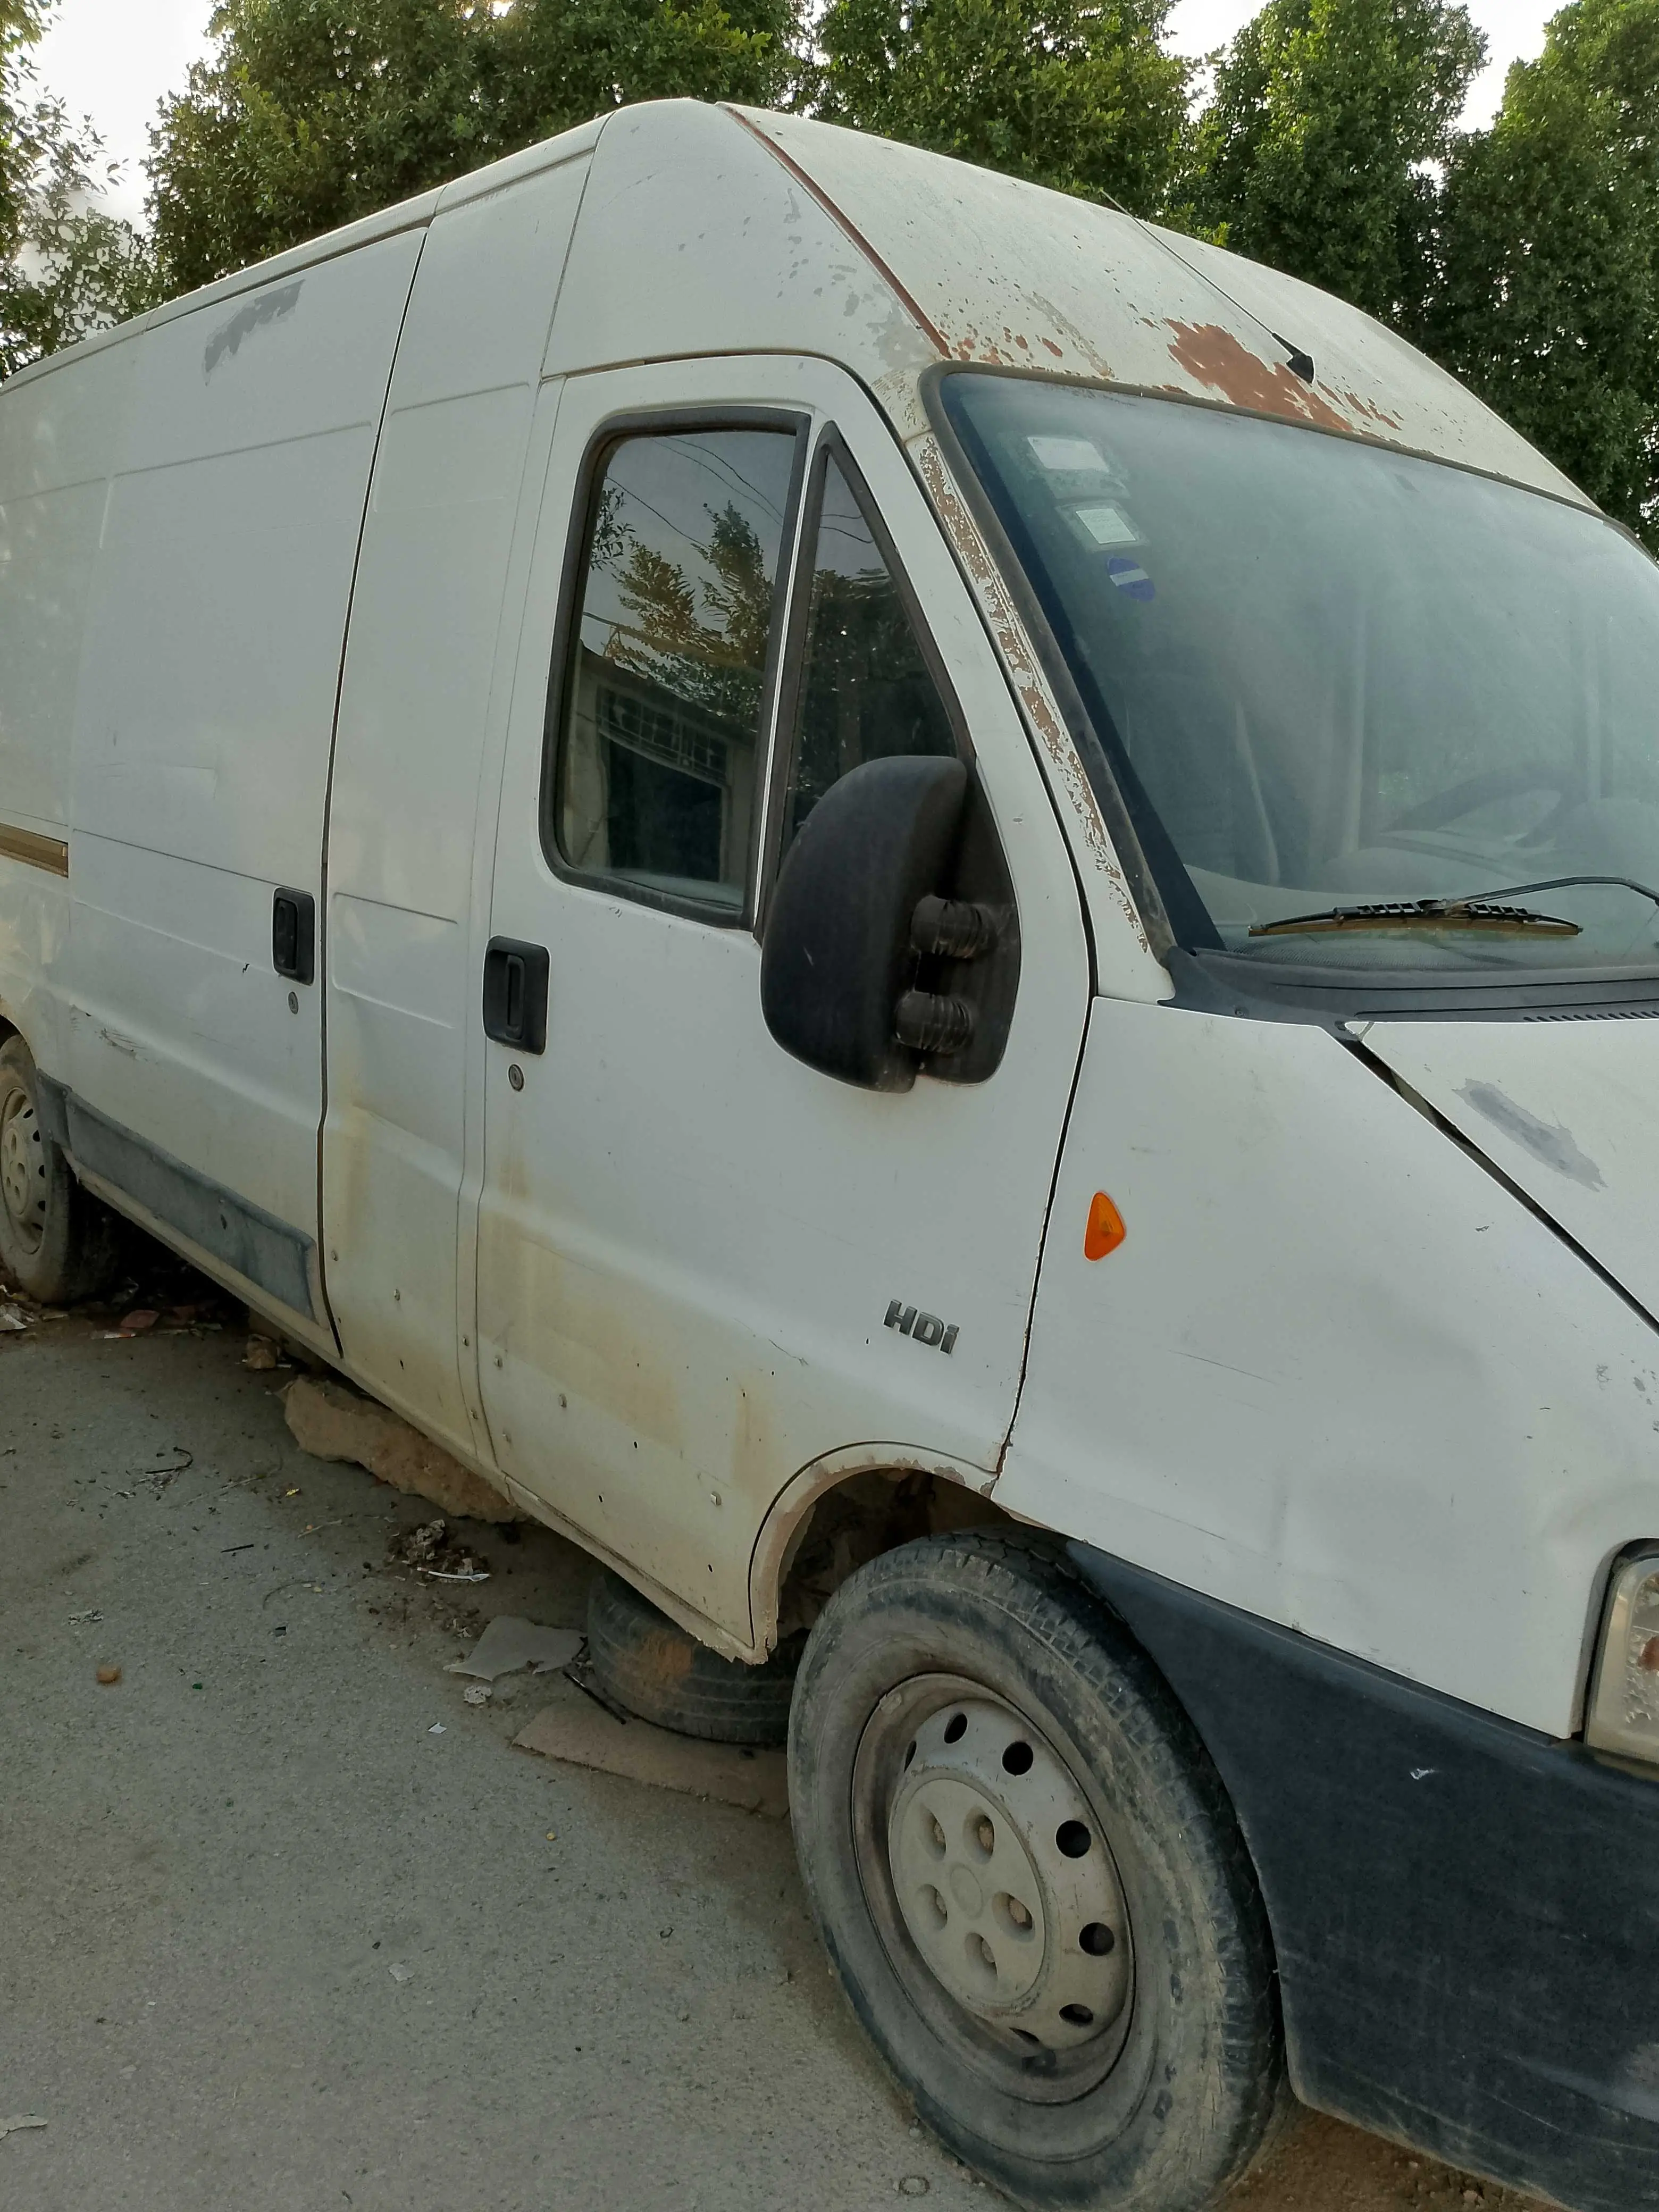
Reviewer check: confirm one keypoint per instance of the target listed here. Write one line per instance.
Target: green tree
(1074, 93)
(310, 112)
(1314, 153)
(65, 267)
(1547, 298)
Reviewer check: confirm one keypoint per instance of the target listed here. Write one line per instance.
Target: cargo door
(422, 713)
(192, 1017)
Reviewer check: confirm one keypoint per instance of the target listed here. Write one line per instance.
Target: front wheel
(1031, 1881)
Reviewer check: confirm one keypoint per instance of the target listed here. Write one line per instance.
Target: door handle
(293, 935)
(515, 995)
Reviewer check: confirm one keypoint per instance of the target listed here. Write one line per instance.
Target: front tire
(1031, 1881)
(57, 1242)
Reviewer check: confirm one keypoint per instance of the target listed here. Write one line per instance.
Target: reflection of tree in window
(657, 770)
(867, 693)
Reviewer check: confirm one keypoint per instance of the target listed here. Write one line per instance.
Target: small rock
(108, 1676)
(134, 1324)
(261, 1355)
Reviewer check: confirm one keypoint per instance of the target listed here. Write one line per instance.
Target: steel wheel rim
(23, 1183)
(987, 1868)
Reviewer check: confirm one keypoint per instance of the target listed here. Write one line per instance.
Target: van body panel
(1563, 1106)
(1419, 1440)
(688, 1241)
(205, 719)
(695, 239)
(427, 614)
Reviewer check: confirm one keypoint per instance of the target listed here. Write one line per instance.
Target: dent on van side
(957, 954)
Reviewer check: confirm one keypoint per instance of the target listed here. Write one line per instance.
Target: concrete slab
(572, 1726)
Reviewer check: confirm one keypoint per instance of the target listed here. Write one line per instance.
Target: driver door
(694, 1252)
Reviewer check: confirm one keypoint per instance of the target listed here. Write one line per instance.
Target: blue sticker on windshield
(1129, 576)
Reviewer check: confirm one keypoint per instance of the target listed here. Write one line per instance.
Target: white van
(932, 912)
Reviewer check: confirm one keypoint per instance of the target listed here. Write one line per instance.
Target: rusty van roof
(721, 230)
(1011, 275)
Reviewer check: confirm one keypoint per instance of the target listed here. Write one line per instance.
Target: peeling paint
(267, 308)
(1031, 688)
(1214, 357)
(1548, 1141)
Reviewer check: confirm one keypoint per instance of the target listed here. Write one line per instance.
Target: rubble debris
(262, 1355)
(510, 1643)
(108, 1677)
(476, 1693)
(135, 1323)
(401, 1973)
(91, 1613)
(23, 2120)
(10, 1316)
(429, 1552)
(333, 1422)
(574, 1728)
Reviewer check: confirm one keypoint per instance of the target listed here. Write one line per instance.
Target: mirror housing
(838, 954)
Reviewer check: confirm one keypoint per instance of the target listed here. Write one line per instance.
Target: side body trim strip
(36, 851)
(280, 1259)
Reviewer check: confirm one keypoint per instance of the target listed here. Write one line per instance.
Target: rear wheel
(654, 1668)
(56, 1243)
(1031, 1881)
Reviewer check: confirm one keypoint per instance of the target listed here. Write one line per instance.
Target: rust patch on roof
(1214, 357)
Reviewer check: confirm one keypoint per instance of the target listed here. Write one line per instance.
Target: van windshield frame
(1204, 921)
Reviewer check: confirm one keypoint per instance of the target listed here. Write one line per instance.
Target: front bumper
(1465, 1915)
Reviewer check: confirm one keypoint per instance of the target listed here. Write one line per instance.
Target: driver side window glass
(866, 690)
(660, 731)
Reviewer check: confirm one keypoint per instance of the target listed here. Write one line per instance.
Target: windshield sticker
(1067, 456)
(1108, 525)
(1129, 576)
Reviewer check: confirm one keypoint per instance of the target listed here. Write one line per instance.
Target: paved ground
(286, 1926)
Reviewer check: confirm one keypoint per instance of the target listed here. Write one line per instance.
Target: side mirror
(839, 954)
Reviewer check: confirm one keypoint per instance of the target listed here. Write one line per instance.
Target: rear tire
(58, 1242)
(655, 1669)
(1031, 1881)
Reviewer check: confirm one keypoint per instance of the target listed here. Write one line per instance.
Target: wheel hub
(1003, 1880)
(22, 1168)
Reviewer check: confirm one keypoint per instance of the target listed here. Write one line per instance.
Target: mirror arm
(928, 1021)
(952, 929)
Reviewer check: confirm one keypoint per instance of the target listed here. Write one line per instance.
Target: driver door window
(661, 718)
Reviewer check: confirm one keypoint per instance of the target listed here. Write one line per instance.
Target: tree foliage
(65, 267)
(1079, 94)
(1312, 153)
(310, 112)
(1547, 292)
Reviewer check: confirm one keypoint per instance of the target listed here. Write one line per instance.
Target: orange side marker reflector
(1105, 1231)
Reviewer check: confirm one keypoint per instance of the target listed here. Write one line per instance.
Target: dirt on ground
(285, 1921)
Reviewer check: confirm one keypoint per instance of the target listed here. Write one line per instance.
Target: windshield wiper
(1476, 910)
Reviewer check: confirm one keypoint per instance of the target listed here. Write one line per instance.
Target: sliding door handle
(515, 995)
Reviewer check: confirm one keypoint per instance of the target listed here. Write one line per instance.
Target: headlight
(1624, 1707)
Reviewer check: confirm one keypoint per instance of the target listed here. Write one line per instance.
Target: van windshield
(1330, 676)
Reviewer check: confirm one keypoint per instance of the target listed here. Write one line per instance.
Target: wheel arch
(928, 1492)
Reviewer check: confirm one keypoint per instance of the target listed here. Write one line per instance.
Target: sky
(114, 59)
